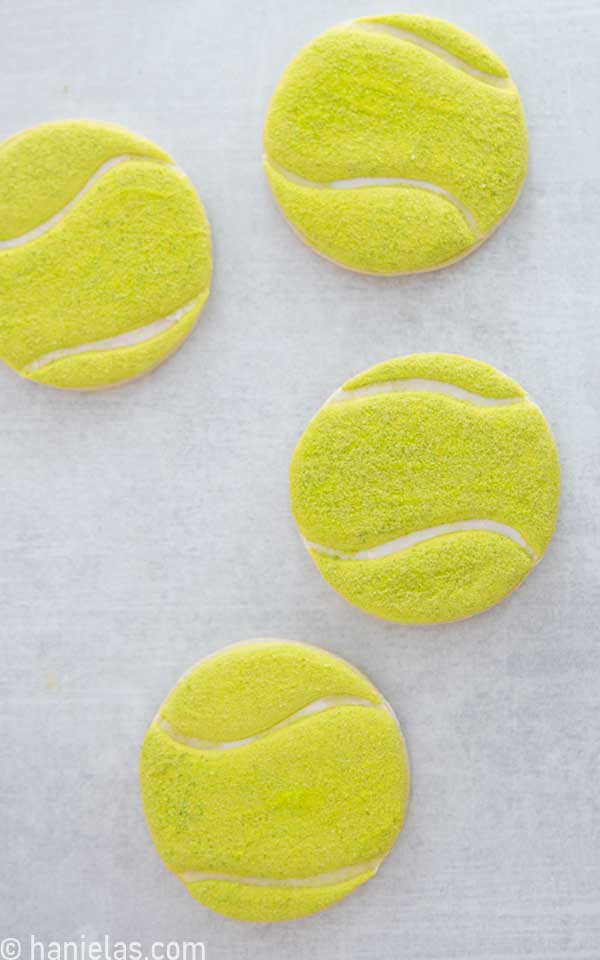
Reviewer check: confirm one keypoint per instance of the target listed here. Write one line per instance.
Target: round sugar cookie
(105, 255)
(274, 780)
(395, 144)
(427, 488)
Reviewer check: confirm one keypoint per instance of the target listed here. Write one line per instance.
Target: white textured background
(145, 527)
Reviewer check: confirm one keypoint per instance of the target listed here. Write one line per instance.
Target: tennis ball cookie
(105, 255)
(395, 144)
(274, 780)
(427, 488)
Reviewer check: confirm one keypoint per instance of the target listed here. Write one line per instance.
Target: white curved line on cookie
(422, 384)
(43, 228)
(357, 183)
(441, 52)
(317, 706)
(329, 879)
(418, 536)
(130, 338)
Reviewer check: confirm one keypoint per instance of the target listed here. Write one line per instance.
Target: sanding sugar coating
(427, 488)
(395, 144)
(274, 780)
(105, 255)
